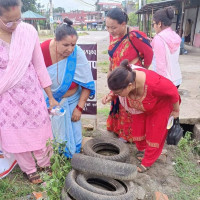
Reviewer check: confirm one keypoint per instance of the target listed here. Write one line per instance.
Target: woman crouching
(150, 99)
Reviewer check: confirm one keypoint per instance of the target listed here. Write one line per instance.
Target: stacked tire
(96, 176)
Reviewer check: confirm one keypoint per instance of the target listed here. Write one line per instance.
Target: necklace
(57, 63)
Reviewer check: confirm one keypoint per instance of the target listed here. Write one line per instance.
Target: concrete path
(190, 88)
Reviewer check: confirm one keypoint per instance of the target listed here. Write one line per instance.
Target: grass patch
(187, 169)
(105, 52)
(104, 66)
(16, 185)
(82, 33)
(103, 111)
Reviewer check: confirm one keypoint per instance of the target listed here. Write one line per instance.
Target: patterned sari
(119, 120)
(76, 69)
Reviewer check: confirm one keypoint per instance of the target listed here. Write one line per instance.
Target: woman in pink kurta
(25, 126)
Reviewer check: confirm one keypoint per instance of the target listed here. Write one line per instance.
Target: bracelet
(79, 108)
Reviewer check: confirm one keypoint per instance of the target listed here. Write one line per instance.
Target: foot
(34, 178)
(47, 170)
(141, 168)
(140, 155)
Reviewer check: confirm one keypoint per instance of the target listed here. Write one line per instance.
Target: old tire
(65, 195)
(79, 193)
(105, 186)
(95, 146)
(102, 167)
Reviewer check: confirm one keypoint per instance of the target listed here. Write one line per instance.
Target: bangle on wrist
(79, 108)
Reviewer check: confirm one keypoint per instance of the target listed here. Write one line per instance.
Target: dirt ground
(161, 176)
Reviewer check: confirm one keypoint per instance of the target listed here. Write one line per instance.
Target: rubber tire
(82, 180)
(65, 195)
(79, 193)
(92, 146)
(102, 167)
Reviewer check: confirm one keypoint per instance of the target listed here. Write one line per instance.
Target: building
(95, 20)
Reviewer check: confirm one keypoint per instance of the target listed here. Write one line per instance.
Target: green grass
(187, 169)
(16, 185)
(105, 52)
(104, 66)
(83, 33)
(103, 111)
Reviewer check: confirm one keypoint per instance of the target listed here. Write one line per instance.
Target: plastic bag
(175, 133)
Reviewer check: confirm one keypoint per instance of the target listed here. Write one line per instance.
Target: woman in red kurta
(125, 43)
(149, 99)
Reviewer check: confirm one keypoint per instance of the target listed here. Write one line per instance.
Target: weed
(187, 170)
(103, 111)
(105, 52)
(104, 66)
(60, 168)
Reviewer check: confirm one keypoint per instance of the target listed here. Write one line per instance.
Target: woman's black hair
(118, 14)
(65, 29)
(164, 15)
(6, 4)
(120, 77)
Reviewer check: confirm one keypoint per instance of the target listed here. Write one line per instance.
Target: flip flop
(140, 155)
(141, 168)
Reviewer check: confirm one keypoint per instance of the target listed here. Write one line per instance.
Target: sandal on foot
(47, 170)
(34, 178)
(141, 168)
(140, 155)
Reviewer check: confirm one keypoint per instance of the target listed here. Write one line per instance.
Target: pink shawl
(21, 49)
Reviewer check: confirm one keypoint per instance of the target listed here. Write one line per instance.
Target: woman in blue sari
(72, 84)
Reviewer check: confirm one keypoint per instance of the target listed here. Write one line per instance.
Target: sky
(73, 4)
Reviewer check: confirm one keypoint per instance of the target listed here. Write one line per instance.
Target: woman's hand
(106, 99)
(76, 115)
(175, 114)
(52, 103)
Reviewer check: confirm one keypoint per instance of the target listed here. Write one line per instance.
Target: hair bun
(170, 12)
(125, 64)
(68, 21)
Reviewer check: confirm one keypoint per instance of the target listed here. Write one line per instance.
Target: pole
(51, 17)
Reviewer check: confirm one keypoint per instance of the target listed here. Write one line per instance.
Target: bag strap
(138, 54)
(111, 52)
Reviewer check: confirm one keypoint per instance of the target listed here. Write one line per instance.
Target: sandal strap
(142, 168)
(33, 176)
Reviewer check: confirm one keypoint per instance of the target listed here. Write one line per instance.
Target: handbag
(175, 133)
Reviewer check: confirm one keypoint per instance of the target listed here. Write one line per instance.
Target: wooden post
(182, 19)
(151, 23)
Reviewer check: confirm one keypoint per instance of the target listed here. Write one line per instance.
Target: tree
(29, 5)
(133, 19)
(59, 10)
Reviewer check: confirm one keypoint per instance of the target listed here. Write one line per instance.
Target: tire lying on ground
(102, 167)
(100, 185)
(118, 150)
(79, 193)
(65, 195)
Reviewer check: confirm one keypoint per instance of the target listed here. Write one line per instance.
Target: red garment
(47, 58)
(149, 129)
(126, 51)
(118, 123)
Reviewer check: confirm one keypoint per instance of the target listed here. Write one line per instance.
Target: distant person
(188, 29)
(25, 126)
(166, 46)
(149, 99)
(125, 43)
(73, 83)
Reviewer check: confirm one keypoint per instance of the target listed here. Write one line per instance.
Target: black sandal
(47, 170)
(140, 155)
(34, 178)
(141, 168)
